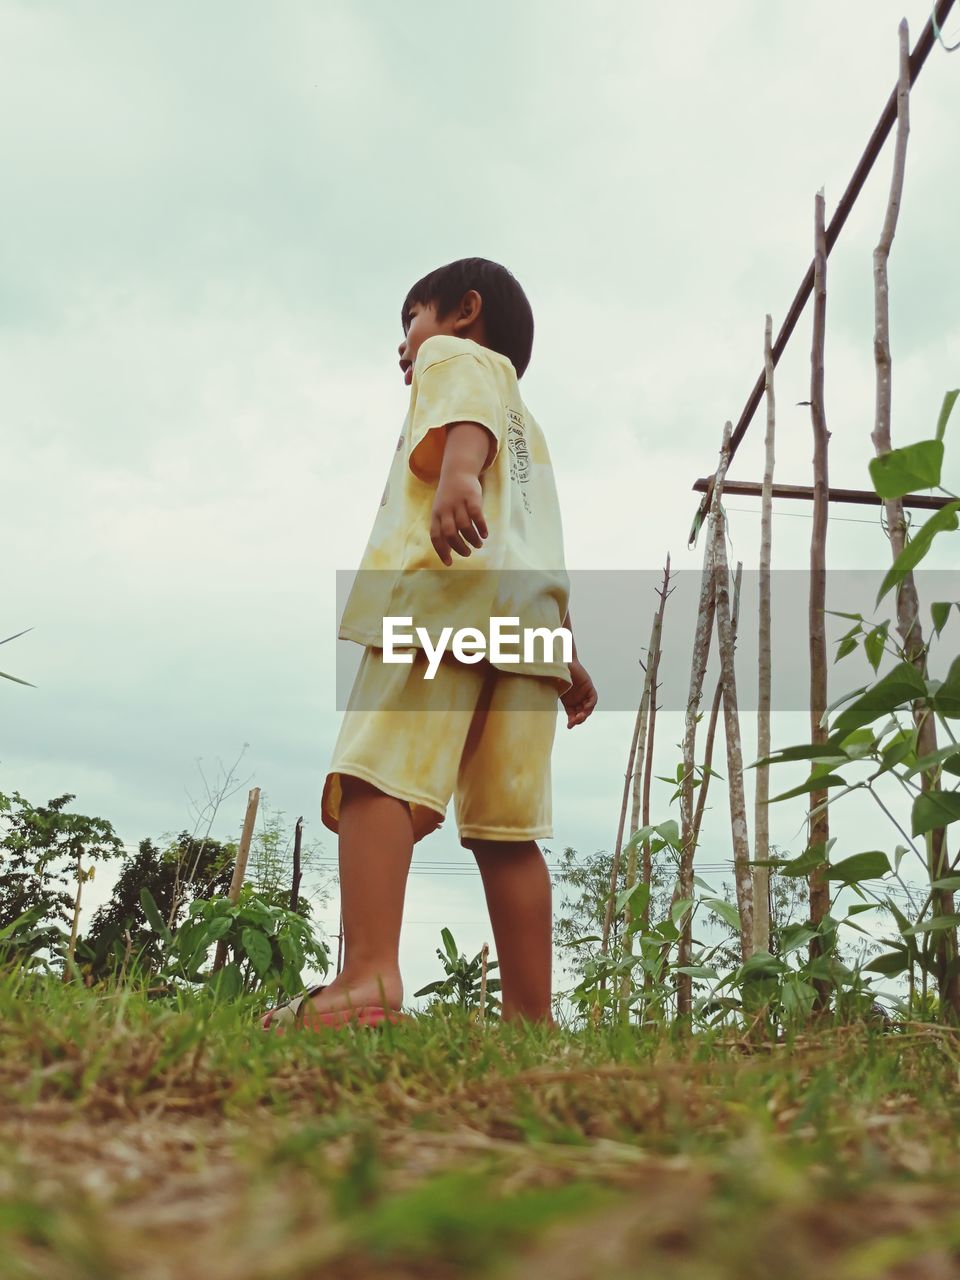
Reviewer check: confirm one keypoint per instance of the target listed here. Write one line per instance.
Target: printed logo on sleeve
(519, 453)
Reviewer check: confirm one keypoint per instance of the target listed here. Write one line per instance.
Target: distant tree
(42, 850)
(209, 865)
(584, 887)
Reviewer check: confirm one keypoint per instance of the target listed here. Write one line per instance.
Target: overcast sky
(212, 214)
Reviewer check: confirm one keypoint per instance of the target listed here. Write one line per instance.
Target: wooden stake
(649, 704)
(805, 493)
(761, 826)
(639, 737)
(240, 866)
(819, 819)
(908, 604)
(698, 669)
(485, 951)
(708, 746)
(847, 201)
(731, 729)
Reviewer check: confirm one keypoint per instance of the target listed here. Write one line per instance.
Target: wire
(802, 515)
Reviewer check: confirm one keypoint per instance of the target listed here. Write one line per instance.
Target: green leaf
(899, 749)
(798, 996)
(450, 946)
(948, 882)
(697, 970)
(819, 782)
(891, 963)
(947, 698)
(936, 925)
(940, 612)
(824, 751)
(725, 910)
(761, 963)
(795, 936)
(934, 759)
(846, 645)
(934, 809)
(901, 471)
(154, 918)
(859, 744)
(918, 546)
(902, 922)
(874, 644)
(219, 927)
(949, 400)
(670, 832)
(640, 891)
(257, 946)
(227, 982)
(810, 858)
(873, 865)
(680, 908)
(899, 686)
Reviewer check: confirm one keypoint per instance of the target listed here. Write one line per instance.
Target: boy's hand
(468, 449)
(457, 515)
(581, 698)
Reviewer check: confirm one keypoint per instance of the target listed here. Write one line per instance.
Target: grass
(139, 1139)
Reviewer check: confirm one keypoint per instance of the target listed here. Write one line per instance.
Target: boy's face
(423, 325)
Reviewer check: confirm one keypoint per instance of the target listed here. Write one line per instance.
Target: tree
(210, 864)
(39, 848)
(584, 885)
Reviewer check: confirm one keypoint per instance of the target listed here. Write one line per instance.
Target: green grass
(140, 1139)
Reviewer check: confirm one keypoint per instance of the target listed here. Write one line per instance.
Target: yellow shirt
(519, 570)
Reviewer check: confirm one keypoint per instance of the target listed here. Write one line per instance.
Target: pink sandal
(292, 1016)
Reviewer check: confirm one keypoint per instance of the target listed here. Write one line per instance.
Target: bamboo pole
(842, 212)
(908, 605)
(804, 493)
(647, 869)
(743, 877)
(650, 698)
(240, 866)
(819, 818)
(761, 827)
(709, 744)
(698, 668)
(638, 740)
(715, 714)
(618, 846)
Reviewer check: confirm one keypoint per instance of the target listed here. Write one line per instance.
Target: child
(471, 477)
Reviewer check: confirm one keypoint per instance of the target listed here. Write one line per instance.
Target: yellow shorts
(480, 734)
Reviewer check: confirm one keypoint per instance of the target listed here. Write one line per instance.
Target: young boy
(471, 478)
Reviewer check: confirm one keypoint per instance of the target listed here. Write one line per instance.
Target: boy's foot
(349, 998)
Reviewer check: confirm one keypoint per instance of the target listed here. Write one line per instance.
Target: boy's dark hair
(506, 310)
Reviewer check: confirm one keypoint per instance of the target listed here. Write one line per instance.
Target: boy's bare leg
(376, 845)
(516, 882)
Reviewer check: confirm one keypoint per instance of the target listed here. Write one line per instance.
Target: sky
(212, 215)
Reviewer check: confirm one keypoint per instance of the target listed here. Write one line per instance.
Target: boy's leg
(376, 845)
(516, 882)
(504, 806)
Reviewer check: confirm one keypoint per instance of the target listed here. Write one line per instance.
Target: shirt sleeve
(452, 388)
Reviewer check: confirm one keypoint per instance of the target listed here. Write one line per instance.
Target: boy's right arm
(458, 506)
